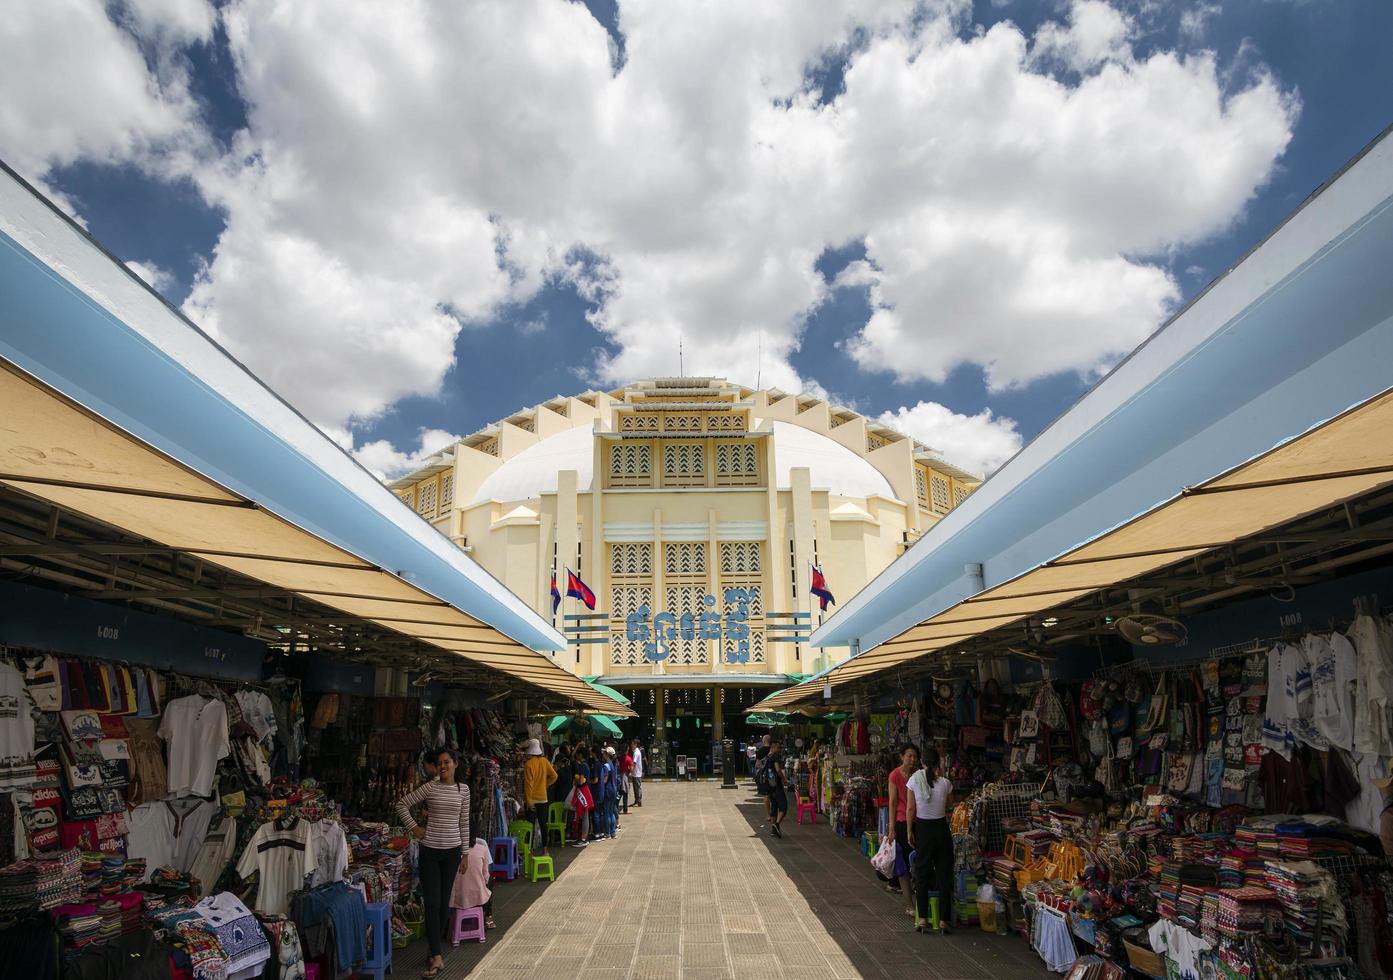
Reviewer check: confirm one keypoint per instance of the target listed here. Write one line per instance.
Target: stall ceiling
(1346, 458)
(56, 452)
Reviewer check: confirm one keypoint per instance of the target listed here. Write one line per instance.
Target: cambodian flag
(555, 595)
(820, 590)
(575, 587)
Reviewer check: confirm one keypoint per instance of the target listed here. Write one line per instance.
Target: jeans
(637, 783)
(438, 867)
(933, 867)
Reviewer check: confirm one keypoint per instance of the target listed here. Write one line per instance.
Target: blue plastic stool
(505, 858)
(379, 962)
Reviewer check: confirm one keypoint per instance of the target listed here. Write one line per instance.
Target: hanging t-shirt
(16, 731)
(1281, 700)
(279, 853)
(1180, 945)
(1332, 689)
(257, 712)
(41, 677)
(169, 833)
(1373, 647)
(195, 730)
(330, 848)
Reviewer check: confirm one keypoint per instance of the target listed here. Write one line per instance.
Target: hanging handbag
(1156, 716)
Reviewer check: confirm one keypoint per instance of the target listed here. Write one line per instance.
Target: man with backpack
(772, 779)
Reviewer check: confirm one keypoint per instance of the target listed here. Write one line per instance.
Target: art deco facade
(665, 495)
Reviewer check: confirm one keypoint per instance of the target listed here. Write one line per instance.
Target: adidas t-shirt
(280, 854)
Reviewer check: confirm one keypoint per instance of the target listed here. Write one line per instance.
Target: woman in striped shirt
(442, 845)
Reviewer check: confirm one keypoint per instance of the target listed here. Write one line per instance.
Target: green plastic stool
(539, 866)
(556, 823)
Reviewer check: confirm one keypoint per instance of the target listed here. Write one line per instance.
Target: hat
(533, 747)
(609, 750)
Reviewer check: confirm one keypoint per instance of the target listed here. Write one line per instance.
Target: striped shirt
(447, 813)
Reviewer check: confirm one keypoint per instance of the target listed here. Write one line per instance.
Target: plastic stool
(806, 805)
(379, 961)
(934, 921)
(522, 830)
(458, 929)
(556, 823)
(505, 858)
(535, 865)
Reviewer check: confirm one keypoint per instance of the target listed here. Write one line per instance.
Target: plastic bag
(986, 894)
(884, 859)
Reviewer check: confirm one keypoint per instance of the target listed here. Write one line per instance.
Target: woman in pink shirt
(899, 832)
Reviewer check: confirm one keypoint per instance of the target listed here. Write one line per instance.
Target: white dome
(533, 471)
(831, 465)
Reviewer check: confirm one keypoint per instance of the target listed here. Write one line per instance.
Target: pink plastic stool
(458, 930)
(808, 806)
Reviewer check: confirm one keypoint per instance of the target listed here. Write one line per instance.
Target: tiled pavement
(694, 889)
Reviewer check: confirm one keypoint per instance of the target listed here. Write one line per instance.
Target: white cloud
(388, 463)
(1194, 22)
(978, 443)
(408, 172)
(174, 21)
(1096, 33)
(78, 88)
(160, 279)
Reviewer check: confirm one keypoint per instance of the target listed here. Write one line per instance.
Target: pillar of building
(717, 721)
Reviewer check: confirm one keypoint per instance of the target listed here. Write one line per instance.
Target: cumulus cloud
(406, 173)
(160, 279)
(78, 88)
(388, 462)
(978, 443)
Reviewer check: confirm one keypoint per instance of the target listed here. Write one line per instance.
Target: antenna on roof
(759, 362)
(679, 357)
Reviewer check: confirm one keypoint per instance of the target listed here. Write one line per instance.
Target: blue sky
(195, 186)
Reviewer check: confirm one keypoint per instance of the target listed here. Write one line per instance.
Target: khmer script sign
(658, 633)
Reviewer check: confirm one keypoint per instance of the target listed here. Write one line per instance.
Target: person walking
(626, 775)
(582, 797)
(932, 842)
(636, 777)
(777, 799)
(899, 831)
(609, 792)
(537, 777)
(761, 754)
(442, 843)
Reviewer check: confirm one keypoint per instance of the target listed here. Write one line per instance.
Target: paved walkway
(694, 889)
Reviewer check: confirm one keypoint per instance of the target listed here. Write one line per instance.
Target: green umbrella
(599, 724)
(607, 690)
(771, 719)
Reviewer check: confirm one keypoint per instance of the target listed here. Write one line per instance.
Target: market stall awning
(1346, 457)
(606, 690)
(116, 407)
(1294, 334)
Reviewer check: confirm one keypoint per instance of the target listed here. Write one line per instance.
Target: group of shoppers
(594, 782)
(454, 864)
(923, 841)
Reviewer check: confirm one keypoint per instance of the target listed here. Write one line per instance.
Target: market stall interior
(224, 648)
(1165, 694)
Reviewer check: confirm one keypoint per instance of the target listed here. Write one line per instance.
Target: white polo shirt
(930, 802)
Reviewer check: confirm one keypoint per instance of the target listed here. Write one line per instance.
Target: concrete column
(804, 530)
(659, 598)
(713, 584)
(717, 720)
